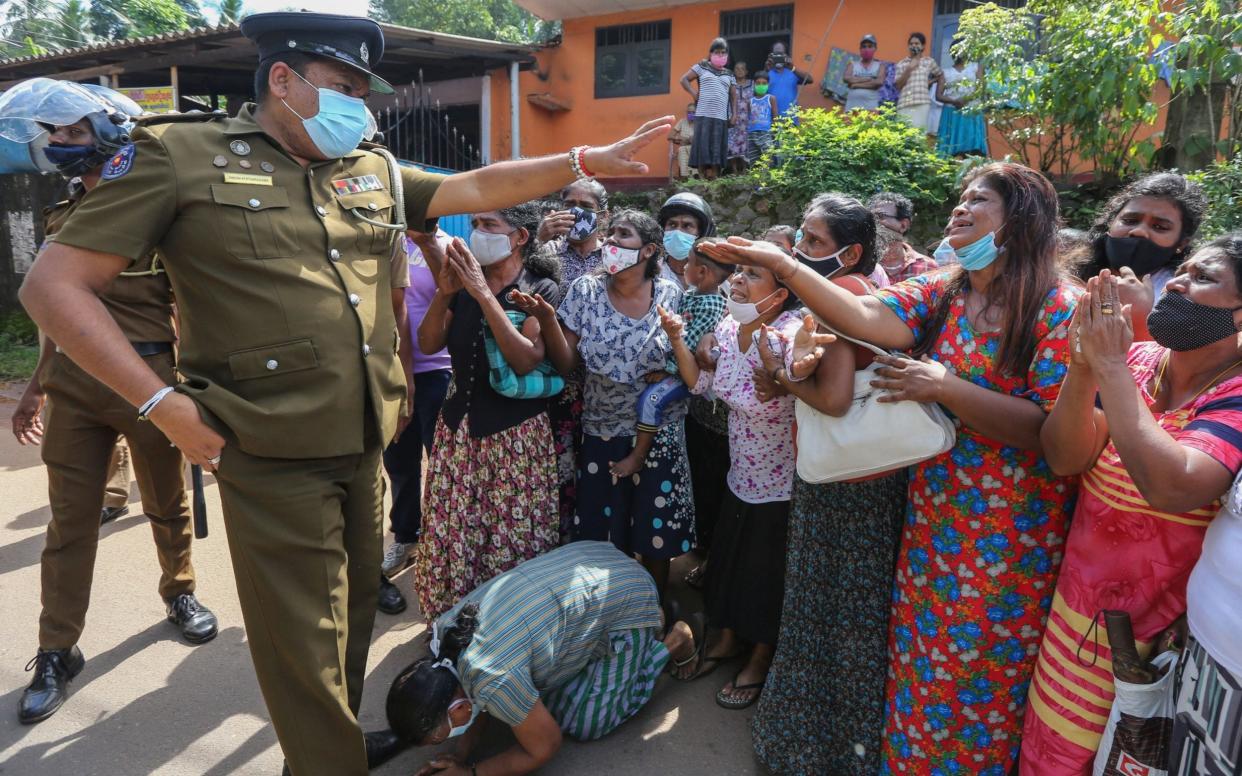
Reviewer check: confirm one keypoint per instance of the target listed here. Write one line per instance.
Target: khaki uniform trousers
(116, 492)
(84, 419)
(305, 538)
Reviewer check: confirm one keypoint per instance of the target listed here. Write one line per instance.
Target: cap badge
(366, 55)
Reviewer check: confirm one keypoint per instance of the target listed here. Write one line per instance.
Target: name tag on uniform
(253, 180)
(358, 185)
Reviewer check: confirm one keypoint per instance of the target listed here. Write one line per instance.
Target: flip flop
(725, 702)
(694, 578)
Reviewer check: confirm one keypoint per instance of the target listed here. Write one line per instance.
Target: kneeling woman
(565, 644)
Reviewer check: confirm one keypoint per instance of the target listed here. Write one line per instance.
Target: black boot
(382, 746)
(197, 623)
(390, 599)
(53, 669)
(108, 514)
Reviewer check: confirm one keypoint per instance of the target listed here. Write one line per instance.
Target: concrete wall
(22, 199)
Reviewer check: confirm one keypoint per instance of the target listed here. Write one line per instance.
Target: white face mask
(489, 247)
(747, 312)
(617, 259)
(455, 731)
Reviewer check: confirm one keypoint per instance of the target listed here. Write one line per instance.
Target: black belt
(152, 348)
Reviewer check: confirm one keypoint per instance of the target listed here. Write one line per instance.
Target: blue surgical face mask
(339, 126)
(797, 235)
(976, 256)
(454, 732)
(678, 243)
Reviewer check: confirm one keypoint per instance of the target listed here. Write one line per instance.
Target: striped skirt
(610, 690)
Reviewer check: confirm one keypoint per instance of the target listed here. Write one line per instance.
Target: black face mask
(825, 267)
(1138, 253)
(1180, 324)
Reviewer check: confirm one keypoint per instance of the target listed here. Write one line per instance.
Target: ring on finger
(214, 461)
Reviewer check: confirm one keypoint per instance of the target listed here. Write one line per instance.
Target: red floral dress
(1122, 554)
(985, 527)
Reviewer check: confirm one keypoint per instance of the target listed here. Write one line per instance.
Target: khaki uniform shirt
(140, 299)
(283, 291)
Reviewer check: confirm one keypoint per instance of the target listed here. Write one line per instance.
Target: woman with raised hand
(1152, 429)
(609, 325)
(491, 497)
(986, 520)
(822, 710)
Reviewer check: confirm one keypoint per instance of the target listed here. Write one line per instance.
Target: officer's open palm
(618, 158)
(178, 417)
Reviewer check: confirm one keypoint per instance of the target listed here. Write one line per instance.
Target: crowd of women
(624, 378)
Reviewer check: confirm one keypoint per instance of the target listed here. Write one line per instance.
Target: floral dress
(738, 131)
(985, 529)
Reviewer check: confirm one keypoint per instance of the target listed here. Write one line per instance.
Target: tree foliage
(1206, 60)
(1069, 79)
(494, 19)
(41, 26)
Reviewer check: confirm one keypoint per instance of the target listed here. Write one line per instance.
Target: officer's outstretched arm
(509, 183)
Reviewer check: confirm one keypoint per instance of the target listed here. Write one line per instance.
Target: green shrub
(1222, 183)
(859, 154)
(19, 346)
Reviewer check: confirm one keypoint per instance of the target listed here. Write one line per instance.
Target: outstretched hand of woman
(1105, 332)
(533, 305)
(808, 348)
(672, 324)
(467, 268)
(739, 250)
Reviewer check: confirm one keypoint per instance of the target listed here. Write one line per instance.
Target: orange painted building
(565, 98)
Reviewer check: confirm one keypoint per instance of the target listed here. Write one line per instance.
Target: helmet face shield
(28, 110)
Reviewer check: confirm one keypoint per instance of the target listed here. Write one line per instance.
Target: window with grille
(944, 7)
(632, 59)
(767, 22)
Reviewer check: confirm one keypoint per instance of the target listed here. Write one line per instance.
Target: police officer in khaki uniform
(273, 226)
(84, 419)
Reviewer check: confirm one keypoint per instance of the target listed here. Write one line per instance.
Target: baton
(200, 502)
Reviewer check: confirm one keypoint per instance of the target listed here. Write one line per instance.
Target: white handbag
(872, 436)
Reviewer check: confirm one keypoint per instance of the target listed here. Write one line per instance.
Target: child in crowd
(744, 584)
(679, 142)
(762, 109)
(782, 236)
(702, 307)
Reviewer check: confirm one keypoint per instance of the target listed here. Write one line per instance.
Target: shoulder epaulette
(170, 118)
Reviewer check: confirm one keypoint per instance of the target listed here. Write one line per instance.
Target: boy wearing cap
(282, 229)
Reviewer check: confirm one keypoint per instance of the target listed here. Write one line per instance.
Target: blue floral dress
(984, 535)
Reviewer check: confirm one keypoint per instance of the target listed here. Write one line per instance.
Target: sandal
(724, 701)
(694, 578)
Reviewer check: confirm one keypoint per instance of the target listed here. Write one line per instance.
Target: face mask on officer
(339, 126)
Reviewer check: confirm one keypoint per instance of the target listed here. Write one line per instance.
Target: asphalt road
(148, 703)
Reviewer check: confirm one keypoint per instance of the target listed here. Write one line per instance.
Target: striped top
(542, 622)
(713, 92)
(1122, 553)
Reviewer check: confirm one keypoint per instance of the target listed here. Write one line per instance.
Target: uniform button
(334, 254)
(372, 206)
(255, 203)
(272, 363)
(366, 350)
(320, 210)
(355, 300)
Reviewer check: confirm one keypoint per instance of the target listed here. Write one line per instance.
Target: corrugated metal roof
(392, 32)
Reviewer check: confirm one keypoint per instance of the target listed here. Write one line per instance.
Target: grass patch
(19, 346)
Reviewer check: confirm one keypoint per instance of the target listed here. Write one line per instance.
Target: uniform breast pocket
(255, 221)
(365, 206)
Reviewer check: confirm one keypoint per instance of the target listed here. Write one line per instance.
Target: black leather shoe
(390, 599)
(197, 623)
(53, 669)
(108, 514)
(382, 746)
